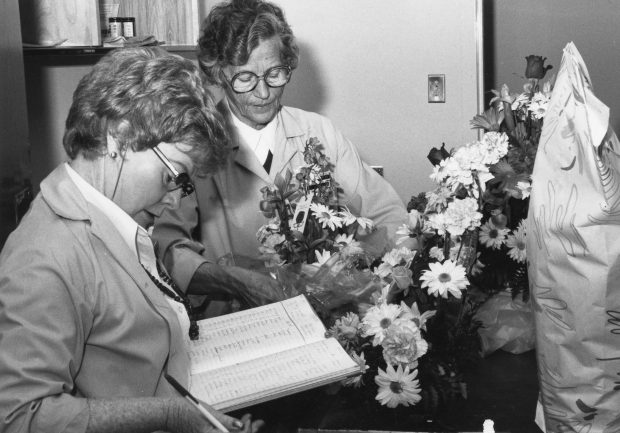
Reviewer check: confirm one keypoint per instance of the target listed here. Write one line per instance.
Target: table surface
(502, 387)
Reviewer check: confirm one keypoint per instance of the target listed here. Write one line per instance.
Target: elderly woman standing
(88, 326)
(248, 49)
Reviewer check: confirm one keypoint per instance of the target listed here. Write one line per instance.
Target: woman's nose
(262, 89)
(173, 198)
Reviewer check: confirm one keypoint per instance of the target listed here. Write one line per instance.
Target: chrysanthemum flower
(378, 319)
(444, 278)
(403, 345)
(357, 381)
(397, 387)
(437, 253)
(345, 329)
(516, 243)
(491, 236)
(326, 216)
(461, 215)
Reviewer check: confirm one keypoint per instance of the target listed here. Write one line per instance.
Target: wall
(365, 64)
(515, 29)
(50, 82)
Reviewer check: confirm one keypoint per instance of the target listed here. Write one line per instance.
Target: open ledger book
(267, 352)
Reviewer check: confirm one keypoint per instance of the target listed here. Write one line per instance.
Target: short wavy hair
(142, 97)
(233, 30)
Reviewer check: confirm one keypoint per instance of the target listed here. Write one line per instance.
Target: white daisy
(516, 243)
(444, 278)
(397, 387)
(491, 236)
(326, 216)
(409, 230)
(322, 257)
(347, 217)
(366, 224)
(378, 319)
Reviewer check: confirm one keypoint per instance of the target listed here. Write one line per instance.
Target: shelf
(91, 50)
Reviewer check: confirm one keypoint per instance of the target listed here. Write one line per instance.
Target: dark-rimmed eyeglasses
(181, 180)
(246, 81)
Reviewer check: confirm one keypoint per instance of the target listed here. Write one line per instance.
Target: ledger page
(249, 334)
(274, 375)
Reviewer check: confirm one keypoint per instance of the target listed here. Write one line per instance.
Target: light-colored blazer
(79, 317)
(224, 216)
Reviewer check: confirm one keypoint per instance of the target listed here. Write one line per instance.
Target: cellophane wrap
(573, 246)
(335, 285)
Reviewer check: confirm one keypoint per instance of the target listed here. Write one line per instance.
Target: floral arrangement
(409, 318)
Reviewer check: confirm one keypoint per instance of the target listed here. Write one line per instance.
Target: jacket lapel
(242, 154)
(65, 200)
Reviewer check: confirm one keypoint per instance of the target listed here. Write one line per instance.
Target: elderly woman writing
(88, 324)
(248, 49)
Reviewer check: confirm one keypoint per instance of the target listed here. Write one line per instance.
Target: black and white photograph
(285, 216)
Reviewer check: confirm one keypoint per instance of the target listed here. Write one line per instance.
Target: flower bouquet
(310, 241)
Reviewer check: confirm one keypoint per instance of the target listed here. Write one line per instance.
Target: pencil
(193, 400)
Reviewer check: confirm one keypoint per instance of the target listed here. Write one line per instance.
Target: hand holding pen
(245, 425)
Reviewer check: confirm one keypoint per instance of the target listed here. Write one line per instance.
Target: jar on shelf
(115, 29)
(129, 27)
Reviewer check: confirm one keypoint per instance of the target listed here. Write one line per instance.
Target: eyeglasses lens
(186, 185)
(275, 77)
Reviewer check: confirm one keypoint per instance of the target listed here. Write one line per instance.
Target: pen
(193, 400)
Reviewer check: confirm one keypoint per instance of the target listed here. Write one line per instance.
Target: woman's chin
(144, 218)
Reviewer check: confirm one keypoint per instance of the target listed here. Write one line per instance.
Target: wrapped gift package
(573, 245)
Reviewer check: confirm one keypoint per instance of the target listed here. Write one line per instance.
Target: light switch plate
(436, 88)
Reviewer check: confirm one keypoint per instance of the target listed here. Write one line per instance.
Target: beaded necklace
(177, 294)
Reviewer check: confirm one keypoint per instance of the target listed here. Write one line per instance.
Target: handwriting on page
(303, 365)
(233, 338)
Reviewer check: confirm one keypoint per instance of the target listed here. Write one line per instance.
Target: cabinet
(15, 168)
(80, 22)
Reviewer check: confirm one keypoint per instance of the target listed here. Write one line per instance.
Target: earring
(113, 155)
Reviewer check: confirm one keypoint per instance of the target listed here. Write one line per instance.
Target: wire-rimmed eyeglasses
(181, 180)
(246, 81)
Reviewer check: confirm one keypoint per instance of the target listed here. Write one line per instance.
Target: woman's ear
(113, 149)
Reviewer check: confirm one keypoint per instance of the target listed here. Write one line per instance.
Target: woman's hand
(185, 418)
(224, 282)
